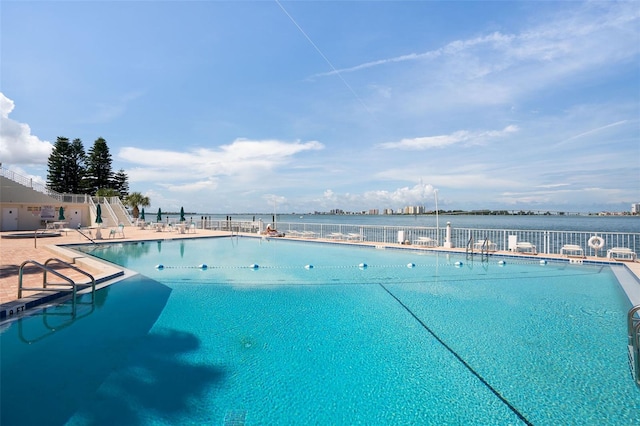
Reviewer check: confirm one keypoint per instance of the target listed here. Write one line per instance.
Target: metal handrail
(35, 235)
(632, 320)
(633, 331)
(484, 249)
(75, 268)
(72, 284)
(469, 247)
(73, 287)
(86, 236)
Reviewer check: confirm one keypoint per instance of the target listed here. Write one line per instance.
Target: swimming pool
(279, 332)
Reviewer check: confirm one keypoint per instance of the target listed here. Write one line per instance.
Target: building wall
(22, 208)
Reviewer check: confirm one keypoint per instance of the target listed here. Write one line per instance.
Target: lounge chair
(572, 250)
(117, 231)
(621, 253)
(486, 245)
(352, 236)
(526, 247)
(424, 241)
(336, 236)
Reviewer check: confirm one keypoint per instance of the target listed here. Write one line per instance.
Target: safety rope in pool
(255, 266)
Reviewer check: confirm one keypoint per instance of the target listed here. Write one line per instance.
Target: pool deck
(15, 251)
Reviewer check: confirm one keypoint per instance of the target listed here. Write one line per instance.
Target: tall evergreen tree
(76, 167)
(99, 173)
(58, 175)
(121, 183)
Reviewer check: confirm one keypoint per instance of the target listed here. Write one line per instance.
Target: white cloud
(419, 194)
(209, 184)
(506, 68)
(563, 197)
(274, 200)
(17, 144)
(561, 38)
(400, 197)
(461, 136)
(243, 159)
(329, 195)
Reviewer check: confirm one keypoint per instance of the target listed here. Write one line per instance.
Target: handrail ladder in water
(469, 248)
(484, 250)
(633, 329)
(69, 285)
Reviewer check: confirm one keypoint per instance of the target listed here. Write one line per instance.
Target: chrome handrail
(469, 247)
(70, 282)
(70, 266)
(72, 287)
(633, 332)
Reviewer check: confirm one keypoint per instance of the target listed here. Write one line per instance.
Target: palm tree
(135, 200)
(107, 192)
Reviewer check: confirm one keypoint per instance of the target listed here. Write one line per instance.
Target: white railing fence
(546, 242)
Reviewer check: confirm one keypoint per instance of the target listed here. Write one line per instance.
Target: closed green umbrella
(182, 219)
(142, 214)
(61, 213)
(98, 214)
(159, 216)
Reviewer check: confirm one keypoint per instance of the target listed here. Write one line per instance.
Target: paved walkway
(13, 252)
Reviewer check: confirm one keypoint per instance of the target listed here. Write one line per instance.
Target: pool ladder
(633, 331)
(484, 249)
(69, 286)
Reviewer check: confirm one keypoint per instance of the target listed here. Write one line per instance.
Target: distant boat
(301, 217)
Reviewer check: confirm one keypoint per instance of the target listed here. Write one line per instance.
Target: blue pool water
(412, 338)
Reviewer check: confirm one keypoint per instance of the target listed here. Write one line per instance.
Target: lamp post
(275, 212)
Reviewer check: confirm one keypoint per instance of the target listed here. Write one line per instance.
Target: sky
(292, 106)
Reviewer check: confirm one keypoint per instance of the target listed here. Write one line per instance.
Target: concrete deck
(13, 252)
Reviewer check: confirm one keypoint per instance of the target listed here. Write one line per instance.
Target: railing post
(447, 241)
(545, 238)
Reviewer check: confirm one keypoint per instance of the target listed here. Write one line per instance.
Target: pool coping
(107, 273)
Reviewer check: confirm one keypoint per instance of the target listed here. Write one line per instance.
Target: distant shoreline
(429, 213)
